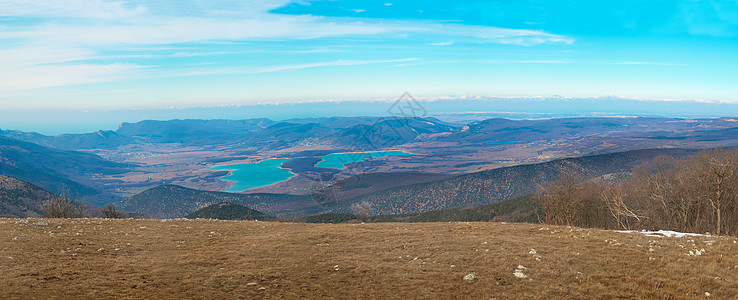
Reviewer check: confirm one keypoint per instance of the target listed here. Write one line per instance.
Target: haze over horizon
(459, 110)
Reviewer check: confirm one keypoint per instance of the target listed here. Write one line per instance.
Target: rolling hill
(229, 211)
(173, 201)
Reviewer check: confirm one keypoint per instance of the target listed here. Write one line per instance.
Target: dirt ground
(207, 259)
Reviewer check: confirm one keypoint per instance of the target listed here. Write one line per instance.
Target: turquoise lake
(268, 172)
(253, 175)
(337, 160)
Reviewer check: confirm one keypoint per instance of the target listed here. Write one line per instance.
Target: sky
(131, 55)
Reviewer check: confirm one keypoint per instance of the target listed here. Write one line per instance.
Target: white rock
(519, 272)
(470, 277)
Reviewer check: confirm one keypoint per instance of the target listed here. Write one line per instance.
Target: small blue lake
(268, 172)
(338, 160)
(253, 175)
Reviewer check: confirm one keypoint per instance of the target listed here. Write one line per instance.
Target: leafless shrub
(63, 206)
(110, 211)
(362, 210)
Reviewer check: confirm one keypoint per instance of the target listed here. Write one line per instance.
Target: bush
(109, 211)
(63, 206)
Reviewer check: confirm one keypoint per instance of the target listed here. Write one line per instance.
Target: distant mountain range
(261, 133)
(368, 133)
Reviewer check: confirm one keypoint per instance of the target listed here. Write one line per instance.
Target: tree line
(696, 194)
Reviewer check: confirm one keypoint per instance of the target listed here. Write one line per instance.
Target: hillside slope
(522, 209)
(20, 199)
(486, 187)
(208, 259)
(58, 170)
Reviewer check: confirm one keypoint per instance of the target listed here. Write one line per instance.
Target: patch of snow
(662, 233)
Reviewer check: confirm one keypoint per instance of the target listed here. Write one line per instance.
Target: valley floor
(206, 259)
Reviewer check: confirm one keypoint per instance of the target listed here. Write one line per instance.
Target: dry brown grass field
(207, 259)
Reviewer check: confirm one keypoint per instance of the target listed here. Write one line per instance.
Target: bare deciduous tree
(569, 200)
(697, 194)
(63, 206)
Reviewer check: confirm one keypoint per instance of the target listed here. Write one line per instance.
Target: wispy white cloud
(98, 9)
(76, 34)
(331, 64)
(645, 63)
(546, 62)
(270, 69)
(528, 62)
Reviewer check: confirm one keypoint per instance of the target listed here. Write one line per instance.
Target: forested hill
(487, 187)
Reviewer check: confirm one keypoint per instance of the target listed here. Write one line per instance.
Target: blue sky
(144, 54)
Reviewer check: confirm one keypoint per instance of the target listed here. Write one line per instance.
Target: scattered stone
(519, 272)
(471, 277)
(40, 223)
(252, 283)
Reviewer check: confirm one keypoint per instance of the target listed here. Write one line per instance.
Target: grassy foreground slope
(101, 258)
